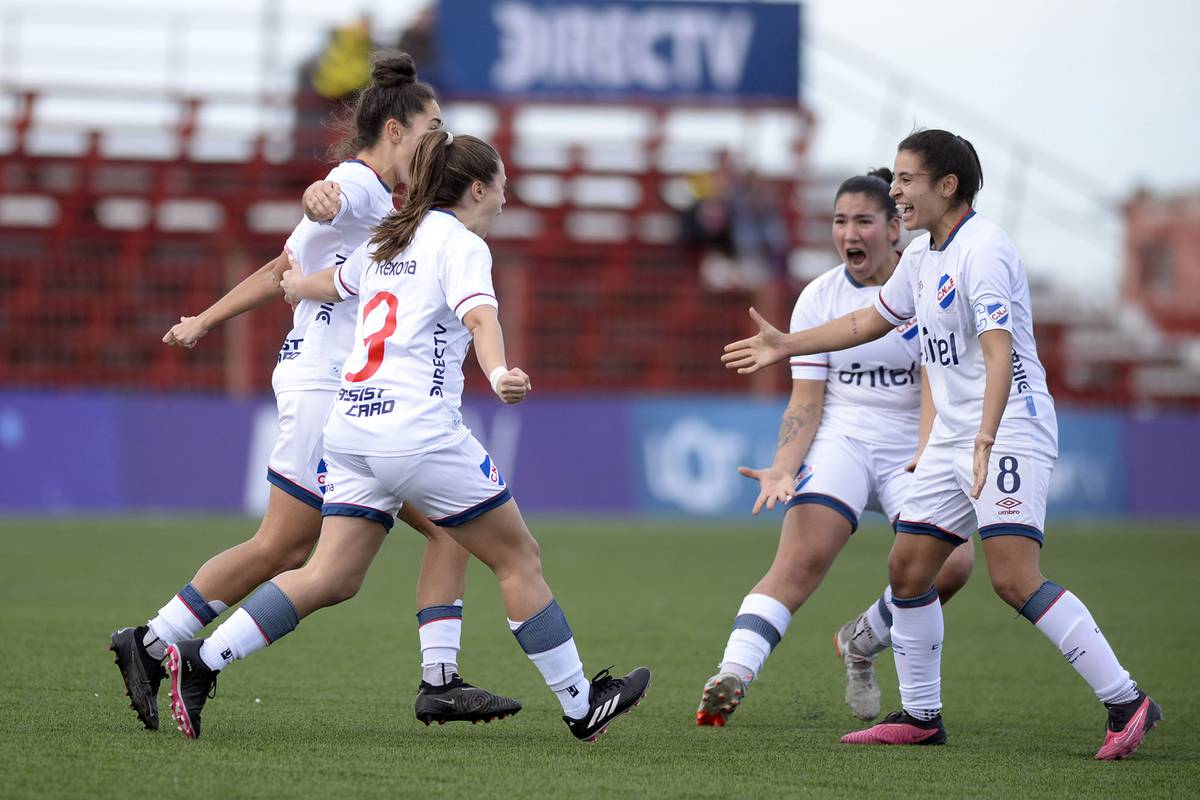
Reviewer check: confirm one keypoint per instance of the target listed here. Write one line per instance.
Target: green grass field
(327, 712)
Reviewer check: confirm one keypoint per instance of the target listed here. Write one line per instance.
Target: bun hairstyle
(393, 93)
(443, 167)
(876, 184)
(942, 153)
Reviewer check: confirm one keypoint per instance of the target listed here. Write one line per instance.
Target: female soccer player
(847, 442)
(988, 460)
(395, 436)
(389, 117)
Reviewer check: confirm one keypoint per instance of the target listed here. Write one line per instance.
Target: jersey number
(375, 341)
(1008, 475)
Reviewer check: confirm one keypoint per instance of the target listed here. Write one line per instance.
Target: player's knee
(1012, 589)
(340, 588)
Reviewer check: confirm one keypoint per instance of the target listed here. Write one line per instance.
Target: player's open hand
(774, 486)
(979, 465)
(322, 201)
(761, 350)
(513, 386)
(185, 333)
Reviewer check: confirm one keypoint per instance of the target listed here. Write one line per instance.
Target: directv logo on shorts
(490, 471)
(945, 291)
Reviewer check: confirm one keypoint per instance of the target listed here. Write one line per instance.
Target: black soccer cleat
(459, 701)
(192, 683)
(608, 699)
(141, 673)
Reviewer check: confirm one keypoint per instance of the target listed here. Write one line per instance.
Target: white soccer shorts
(1012, 503)
(296, 464)
(850, 475)
(451, 485)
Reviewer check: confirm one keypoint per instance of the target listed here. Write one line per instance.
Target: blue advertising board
(619, 50)
(675, 455)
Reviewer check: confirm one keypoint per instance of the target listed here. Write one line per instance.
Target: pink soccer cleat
(1128, 724)
(900, 728)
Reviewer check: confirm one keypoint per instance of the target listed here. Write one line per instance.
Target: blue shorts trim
(1011, 529)
(827, 501)
(928, 529)
(294, 489)
(454, 520)
(351, 510)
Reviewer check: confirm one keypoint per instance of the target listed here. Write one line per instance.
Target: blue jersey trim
(294, 489)
(441, 210)
(454, 520)
(351, 510)
(928, 529)
(378, 177)
(1011, 529)
(953, 231)
(837, 505)
(849, 277)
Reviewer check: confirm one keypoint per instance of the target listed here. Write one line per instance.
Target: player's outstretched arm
(318, 286)
(257, 290)
(322, 201)
(928, 415)
(996, 345)
(801, 418)
(510, 385)
(770, 344)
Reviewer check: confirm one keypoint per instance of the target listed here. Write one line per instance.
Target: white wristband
(495, 376)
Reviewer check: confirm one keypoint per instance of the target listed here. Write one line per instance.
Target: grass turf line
(328, 711)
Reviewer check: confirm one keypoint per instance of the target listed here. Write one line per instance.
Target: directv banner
(619, 50)
(674, 456)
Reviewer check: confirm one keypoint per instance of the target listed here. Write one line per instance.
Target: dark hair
(876, 184)
(442, 168)
(944, 154)
(393, 93)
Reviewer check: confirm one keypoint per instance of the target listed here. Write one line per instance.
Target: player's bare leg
(811, 537)
(1013, 562)
(859, 642)
(502, 541)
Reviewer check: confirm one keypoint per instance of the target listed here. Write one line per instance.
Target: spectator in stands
(734, 222)
(327, 81)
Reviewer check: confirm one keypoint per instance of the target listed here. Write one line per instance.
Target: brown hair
(393, 93)
(443, 168)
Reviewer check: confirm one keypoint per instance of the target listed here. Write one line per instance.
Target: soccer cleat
(862, 690)
(900, 728)
(609, 698)
(1128, 724)
(460, 701)
(192, 683)
(722, 695)
(141, 673)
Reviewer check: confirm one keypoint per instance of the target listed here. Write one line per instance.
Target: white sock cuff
(770, 609)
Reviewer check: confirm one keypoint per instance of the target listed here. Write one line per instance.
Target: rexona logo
(945, 291)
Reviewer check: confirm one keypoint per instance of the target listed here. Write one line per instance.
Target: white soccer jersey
(322, 333)
(974, 282)
(402, 386)
(872, 391)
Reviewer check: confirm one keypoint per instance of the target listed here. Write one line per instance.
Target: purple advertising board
(86, 453)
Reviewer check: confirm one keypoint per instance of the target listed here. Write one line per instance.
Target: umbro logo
(1008, 502)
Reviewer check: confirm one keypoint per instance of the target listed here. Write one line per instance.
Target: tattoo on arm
(854, 322)
(795, 419)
